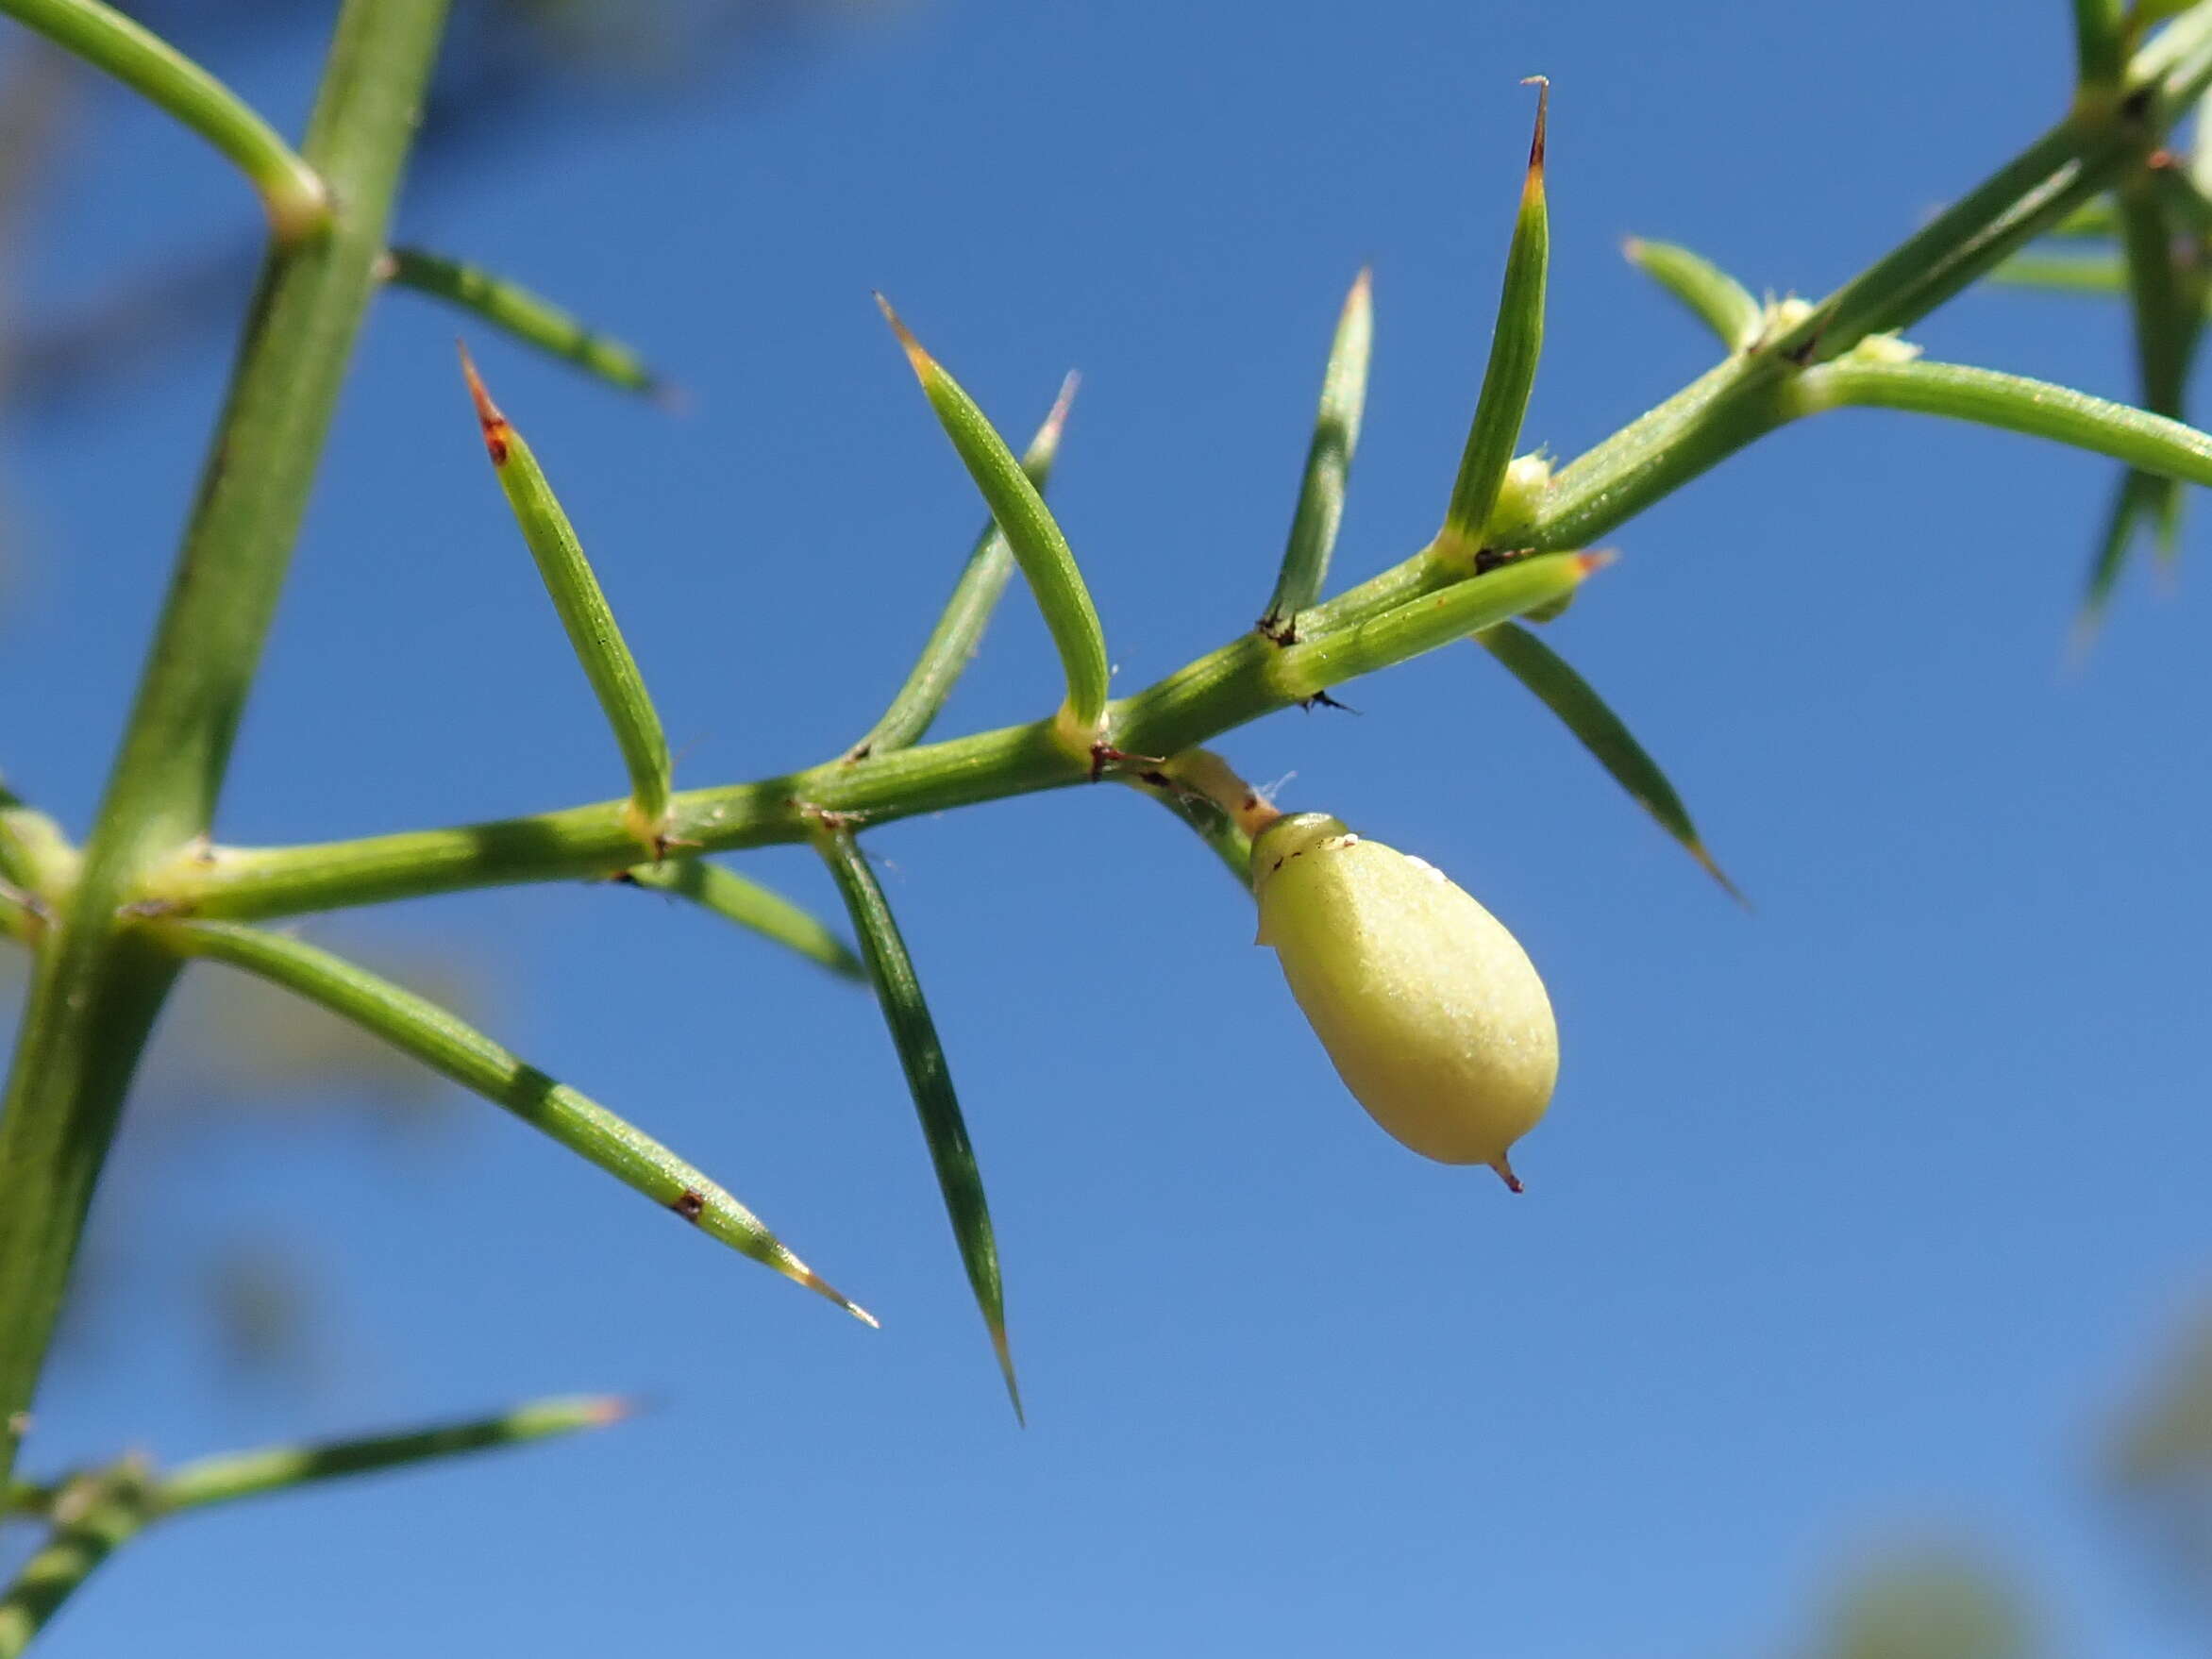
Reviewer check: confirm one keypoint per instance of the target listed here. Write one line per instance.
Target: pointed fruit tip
(1588, 564)
(1543, 86)
(1513, 1182)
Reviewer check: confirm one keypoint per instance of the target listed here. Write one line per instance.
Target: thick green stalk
(98, 990)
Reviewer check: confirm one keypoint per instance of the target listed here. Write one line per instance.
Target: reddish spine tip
(613, 1409)
(497, 431)
(1590, 564)
(1513, 1182)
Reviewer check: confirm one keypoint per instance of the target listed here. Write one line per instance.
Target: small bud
(1521, 492)
(1430, 1010)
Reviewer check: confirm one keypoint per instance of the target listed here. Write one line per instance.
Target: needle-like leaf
(928, 1079)
(1032, 533)
(233, 1475)
(952, 644)
(1320, 497)
(584, 612)
(419, 1026)
(2137, 497)
(1711, 294)
(293, 194)
(1602, 732)
(748, 904)
(2167, 303)
(527, 317)
(1515, 346)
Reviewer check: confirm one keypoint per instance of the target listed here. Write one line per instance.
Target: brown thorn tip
(488, 416)
(915, 355)
(1543, 86)
(1513, 1182)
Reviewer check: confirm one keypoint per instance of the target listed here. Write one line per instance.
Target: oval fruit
(1431, 1011)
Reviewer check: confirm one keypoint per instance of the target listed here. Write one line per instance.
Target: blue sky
(1856, 1217)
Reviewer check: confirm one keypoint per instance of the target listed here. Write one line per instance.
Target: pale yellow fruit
(1431, 1010)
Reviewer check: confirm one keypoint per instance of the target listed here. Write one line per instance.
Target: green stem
(93, 1516)
(292, 190)
(1717, 414)
(1245, 678)
(97, 989)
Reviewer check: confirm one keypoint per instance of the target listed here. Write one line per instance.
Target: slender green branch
(96, 990)
(1516, 344)
(1244, 680)
(2099, 45)
(235, 1475)
(1691, 432)
(1708, 293)
(928, 1079)
(586, 614)
(92, 1517)
(1320, 495)
(1046, 560)
(730, 896)
(529, 317)
(2015, 404)
(420, 1028)
(94, 1514)
(293, 193)
(952, 644)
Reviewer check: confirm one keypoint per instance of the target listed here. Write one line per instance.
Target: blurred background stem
(97, 989)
